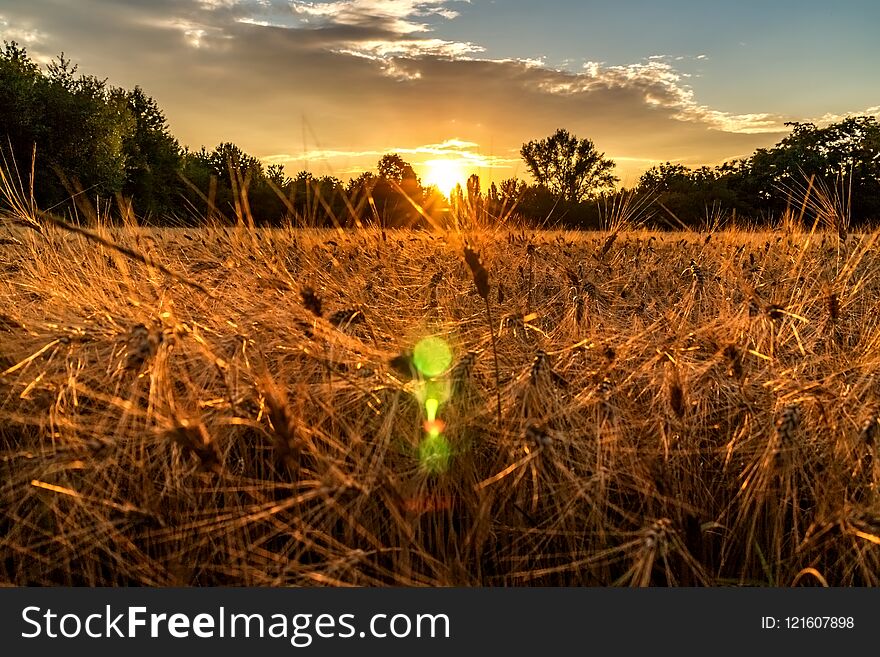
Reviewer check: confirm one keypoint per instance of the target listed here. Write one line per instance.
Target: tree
(228, 159)
(362, 184)
(153, 158)
(275, 175)
(666, 177)
(79, 132)
(396, 192)
(21, 101)
(108, 141)
(693, 197)
(393, 168)
(569, 167)
(492, 196)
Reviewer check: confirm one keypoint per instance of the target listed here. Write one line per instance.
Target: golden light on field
(445, 174)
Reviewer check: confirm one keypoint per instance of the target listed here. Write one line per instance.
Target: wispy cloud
(218, 4)
(25, 34)
(410, 48)
(195, 34)
(396, 16)
(467, 153)
(385, 29)
(660, 85)
(829, 118)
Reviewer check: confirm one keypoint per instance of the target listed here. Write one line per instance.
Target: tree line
(94, 141)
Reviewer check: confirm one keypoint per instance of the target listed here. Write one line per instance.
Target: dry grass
(675, 410)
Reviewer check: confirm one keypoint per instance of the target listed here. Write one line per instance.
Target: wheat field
(239, 406)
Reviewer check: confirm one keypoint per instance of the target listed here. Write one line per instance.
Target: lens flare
(434, 453)
(431, 406)
(436, 389)
(431, 356)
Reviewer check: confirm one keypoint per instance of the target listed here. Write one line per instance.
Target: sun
(445, 174)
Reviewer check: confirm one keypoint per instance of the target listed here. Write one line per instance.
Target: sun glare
(445, 174)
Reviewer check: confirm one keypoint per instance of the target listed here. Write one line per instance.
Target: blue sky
(770, 54)
(331, 86)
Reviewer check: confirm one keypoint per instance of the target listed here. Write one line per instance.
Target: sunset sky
(331, 86)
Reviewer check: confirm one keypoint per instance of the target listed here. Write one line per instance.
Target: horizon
(457, 87)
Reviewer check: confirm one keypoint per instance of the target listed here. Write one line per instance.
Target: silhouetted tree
(227, 158)
(393, 168)
(666, 177)
(234, 183)
(474, 193)
(359, 191)
(275, 174)
(842, 158)
(569, 167)
(396, 192)
(693, 197)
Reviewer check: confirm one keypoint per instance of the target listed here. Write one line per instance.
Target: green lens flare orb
(431, 406)
(434, 453)
(431, 356)
(432, 389)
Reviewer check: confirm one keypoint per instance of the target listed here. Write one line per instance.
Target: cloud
(386, 29)
(383, 49)
(829, 118)
(659, 85)
(218, 4)
(22, 33)
(466, 153)
(196, 35)
(396, 16)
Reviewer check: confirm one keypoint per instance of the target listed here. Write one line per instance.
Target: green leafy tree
(85, 125)
(569, 167)
(843, 154)
(77, 124)
(153, 158)
(21, 95)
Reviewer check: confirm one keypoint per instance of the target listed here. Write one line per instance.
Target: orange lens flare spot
(434, 427)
